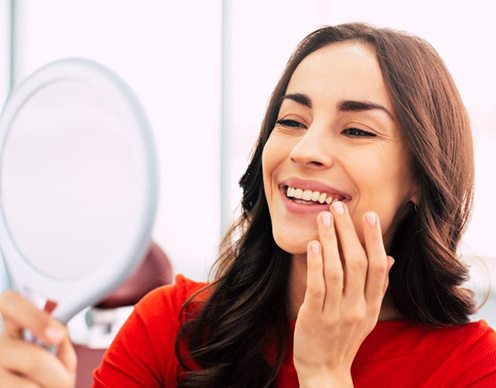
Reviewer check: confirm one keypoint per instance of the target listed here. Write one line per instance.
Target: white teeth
(322, 197)
(307, 195)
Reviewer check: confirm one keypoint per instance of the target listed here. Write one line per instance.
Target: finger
(315, 291)
(67, 355)
(33, 362)
(333, 268)
(354, 258)
(18, 314)
(386, 281)
(377, 259)
(12, 380)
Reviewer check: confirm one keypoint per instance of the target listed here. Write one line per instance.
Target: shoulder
(143, 352)
(414, 335)
(457, 356)
(469, 353)
(471, 339)
(476, 340)
(168, 299)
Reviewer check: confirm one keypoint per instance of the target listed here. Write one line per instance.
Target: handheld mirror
(78, 184)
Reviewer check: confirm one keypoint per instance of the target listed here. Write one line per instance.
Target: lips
(314, 186)
(311, 208)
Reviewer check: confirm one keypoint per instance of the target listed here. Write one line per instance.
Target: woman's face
(336, 135)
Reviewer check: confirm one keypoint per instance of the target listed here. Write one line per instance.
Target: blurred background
(204, 71)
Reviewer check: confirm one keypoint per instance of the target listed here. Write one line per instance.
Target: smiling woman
(336, 129)
(373, 116)
(342, 269)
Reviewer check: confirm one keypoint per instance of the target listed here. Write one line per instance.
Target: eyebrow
(343, 106)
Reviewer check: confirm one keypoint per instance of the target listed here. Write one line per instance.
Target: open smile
(307, 201)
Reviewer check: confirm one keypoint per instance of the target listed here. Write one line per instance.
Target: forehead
(341, 71)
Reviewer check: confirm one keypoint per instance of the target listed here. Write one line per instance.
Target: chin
(293, 244)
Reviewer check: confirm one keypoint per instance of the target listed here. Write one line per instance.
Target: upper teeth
(309, 195)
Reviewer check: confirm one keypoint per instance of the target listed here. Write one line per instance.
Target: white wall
(4, 50)
(169, 53)
(4, 88)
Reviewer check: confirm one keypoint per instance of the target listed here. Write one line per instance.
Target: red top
(396, 353)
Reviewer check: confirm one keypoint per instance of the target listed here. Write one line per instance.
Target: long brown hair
(245, 317)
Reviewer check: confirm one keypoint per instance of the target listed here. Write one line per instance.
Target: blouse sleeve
(142, 354)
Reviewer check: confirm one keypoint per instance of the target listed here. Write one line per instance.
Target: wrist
(328, 380)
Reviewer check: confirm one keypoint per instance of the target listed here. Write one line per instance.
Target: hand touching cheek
(343, 297)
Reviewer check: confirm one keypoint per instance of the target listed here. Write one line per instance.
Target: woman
(365, 155)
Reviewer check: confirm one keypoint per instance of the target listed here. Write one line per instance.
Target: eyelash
(364, 133)
(296, 124)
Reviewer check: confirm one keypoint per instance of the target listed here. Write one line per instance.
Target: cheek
(290, 236)
(272, 156)
(383, 186)
(267, 167)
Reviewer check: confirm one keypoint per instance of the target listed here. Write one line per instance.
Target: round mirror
(78, 184)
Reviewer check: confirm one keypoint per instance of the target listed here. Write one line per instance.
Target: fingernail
(315, 246)
(338, 206)
(53, 334)
(371, 218)
(326, 218)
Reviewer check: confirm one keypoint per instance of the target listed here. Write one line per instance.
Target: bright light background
(169, 53)
(4, 50)
(4, 87)
(204, 71)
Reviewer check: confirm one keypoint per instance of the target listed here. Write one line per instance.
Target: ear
(414, 196)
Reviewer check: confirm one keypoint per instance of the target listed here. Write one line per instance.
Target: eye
(355, 132)
(290, 123)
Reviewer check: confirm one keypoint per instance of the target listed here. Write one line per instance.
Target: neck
(298, 284)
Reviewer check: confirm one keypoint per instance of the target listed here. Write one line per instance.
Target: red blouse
(396, 353)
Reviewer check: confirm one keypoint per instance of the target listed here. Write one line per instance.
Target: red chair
(154, 271)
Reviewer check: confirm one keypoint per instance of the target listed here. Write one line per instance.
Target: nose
(312, 150)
